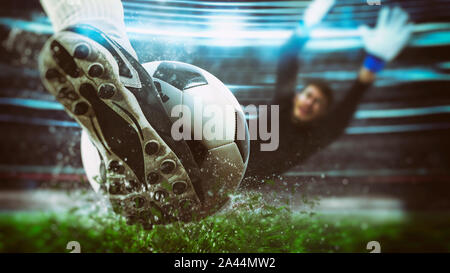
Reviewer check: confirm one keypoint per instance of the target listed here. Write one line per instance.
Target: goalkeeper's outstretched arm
(289, 63)
(382, 44)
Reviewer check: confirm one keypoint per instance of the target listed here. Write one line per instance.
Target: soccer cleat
(150, 178)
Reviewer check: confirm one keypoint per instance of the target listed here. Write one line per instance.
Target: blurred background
(394, 156)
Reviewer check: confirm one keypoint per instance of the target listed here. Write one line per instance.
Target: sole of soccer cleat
(145, 179)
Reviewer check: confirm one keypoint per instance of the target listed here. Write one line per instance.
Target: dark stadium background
(397, 146)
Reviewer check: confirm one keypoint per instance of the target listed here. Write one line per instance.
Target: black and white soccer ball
(222, 159)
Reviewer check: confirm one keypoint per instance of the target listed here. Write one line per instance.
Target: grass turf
(250, 227)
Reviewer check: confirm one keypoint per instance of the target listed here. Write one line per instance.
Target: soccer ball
(208, 117)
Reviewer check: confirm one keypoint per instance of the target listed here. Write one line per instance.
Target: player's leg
(105, 89)
(105, 15)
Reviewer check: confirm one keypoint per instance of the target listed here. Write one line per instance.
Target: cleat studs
(132, 186)
(82, 51)
(168, 166)
(139, 202)
(168, 209)
(81, 108)
(145, 218)
(52, 74)
(153, 178)
(96, 70)
(115, 188)
(86, 89)
(152, 147)
(179, 187)
(106, 91)
(185, 204)
(160, 195)
(115, 167)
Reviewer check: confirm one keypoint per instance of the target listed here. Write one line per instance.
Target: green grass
(253, 226)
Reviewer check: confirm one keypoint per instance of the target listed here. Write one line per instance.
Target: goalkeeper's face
(309, 105)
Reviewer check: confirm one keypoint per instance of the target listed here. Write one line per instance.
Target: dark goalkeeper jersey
(298, 142)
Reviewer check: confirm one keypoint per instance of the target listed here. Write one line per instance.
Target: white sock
(106, 15)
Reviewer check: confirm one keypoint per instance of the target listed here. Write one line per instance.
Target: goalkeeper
(308, 119)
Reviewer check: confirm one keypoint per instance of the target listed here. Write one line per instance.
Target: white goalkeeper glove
(387, 39)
